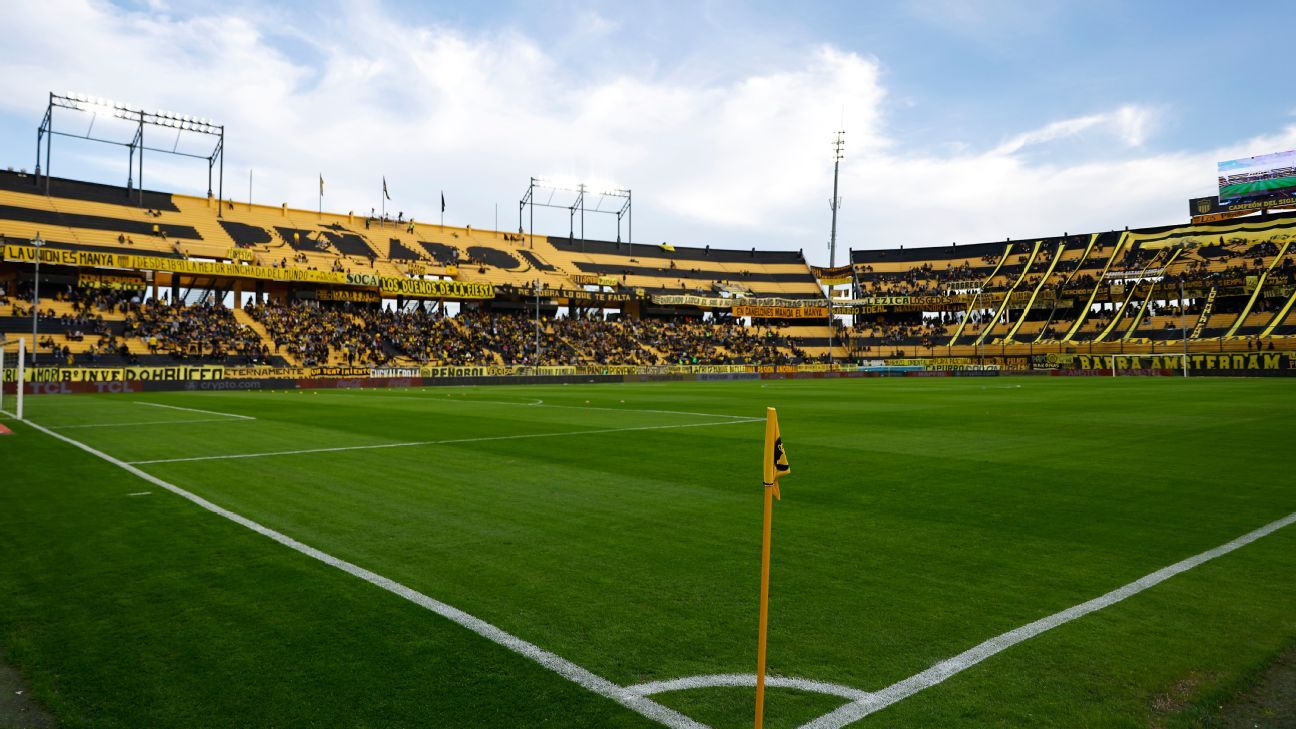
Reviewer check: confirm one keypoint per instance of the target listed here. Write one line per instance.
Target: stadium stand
(1103, 292)
(261, 284)
(299, 325)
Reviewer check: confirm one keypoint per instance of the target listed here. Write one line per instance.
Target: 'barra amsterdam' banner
(782, 312)
(1224, 362)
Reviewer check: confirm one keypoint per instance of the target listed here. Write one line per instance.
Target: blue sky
(966, 121)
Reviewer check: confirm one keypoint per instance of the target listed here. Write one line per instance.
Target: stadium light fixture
(137, 145)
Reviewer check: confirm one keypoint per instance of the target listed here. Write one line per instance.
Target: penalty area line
(578, 675)
(452, 441)
(194, 410)
(143, 422)
(938, 673)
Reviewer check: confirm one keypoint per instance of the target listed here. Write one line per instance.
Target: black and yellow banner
(124, 374)
(719, 302)
(111, 281)
(436, 289)
(782, 312)
(388, 284)
(354, 295)
(1224, 362)
(94, 259)
(835, 276)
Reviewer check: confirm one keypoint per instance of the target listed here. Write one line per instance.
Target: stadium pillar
(38, 242)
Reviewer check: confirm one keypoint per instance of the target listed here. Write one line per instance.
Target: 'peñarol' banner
(782, 312)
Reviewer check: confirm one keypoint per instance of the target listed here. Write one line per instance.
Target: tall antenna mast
(839, 143)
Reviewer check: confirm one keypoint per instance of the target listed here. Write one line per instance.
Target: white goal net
(13, 355)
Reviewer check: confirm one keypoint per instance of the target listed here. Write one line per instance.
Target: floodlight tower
(839, 143)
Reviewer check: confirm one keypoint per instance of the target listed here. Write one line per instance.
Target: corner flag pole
(775, 466)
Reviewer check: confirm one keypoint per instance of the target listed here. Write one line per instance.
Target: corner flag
(773, 467)
(776, 462)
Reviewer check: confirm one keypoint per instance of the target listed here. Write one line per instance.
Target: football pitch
(947, 552)
(1261, 187)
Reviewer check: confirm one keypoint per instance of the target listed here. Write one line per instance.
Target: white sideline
(437, 442)
(748, 680)
(580, 676)
(194, 410)
(144, 422)
(901, 690)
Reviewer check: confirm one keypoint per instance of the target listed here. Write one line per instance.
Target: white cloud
(737, 162)
(1130, 124)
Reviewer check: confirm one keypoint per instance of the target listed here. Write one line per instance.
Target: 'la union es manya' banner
(435, 289)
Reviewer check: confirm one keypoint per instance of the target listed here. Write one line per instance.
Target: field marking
(901, 690)
(194, 410)
(140, 493)
(144, 422)
(748, 680)
(541, 403)
(437, 442)
(582, 677)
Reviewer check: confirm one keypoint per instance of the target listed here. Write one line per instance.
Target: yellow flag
(776, 462)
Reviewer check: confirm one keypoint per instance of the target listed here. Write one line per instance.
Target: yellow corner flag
(774, 466)
(776, 462)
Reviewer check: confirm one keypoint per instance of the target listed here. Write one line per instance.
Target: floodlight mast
(163, 119)
(835, 203)
(839, 144)
(624, 209)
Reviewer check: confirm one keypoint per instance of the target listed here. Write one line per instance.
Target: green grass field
(618, 527)
(1248, 189)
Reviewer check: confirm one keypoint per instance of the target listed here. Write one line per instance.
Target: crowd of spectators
(200, 331)
(318, 335)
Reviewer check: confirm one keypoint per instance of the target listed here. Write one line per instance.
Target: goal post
(1181, 364)
(19, 369)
